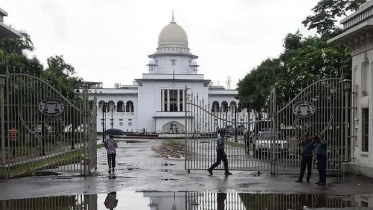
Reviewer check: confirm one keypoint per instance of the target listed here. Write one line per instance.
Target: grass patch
(234, 144)
(171, 142)
(52, 162)
(100, 146)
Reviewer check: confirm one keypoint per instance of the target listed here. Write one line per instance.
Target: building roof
(6, 31)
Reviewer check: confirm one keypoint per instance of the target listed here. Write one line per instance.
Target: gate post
(85, 131)
(273, 113)
(346, 168)
(3, 168)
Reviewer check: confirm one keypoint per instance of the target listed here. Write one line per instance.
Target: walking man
(221, 153)
(321, 151)
(111, 146)
(308, 146)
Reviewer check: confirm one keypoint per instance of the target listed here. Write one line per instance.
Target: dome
(173, 34)
(194, 63)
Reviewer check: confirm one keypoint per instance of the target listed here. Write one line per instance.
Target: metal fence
(243, 201)
(195, 201)
(79, 202)
(268, 140)
(43, 130)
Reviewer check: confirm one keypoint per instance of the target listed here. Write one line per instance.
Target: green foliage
(254, 89)
(171, 142)
(312, 60)
(61, 76)
(13, 56)
(303, 61)
(234, 144)
(326, 13)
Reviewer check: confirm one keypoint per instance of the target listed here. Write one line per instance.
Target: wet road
(140, 169)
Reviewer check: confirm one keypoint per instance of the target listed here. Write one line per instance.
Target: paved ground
(140, 169)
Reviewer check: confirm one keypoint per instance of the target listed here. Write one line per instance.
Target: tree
(312, 59)
(326, 13)
(61, 76)
(255, 87)
(13, 56)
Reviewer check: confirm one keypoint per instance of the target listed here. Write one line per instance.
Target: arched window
(101, 105)
(120, 106)
(129, 106)
(224, 106)
(215, 106)
(232, 104)
(111, 106)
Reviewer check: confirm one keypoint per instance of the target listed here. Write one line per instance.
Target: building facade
(5, 30)
(156, 102)
(358, 36)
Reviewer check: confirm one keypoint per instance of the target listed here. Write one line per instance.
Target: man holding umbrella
(111, 147)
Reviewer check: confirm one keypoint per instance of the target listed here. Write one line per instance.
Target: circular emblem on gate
(51, 107)
(304, 109)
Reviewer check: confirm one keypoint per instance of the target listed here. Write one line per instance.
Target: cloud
(109, 40)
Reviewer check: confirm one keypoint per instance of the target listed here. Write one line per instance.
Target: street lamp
(234, 108)
(105, 108)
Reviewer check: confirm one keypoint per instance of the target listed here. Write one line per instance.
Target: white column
(168, 100)
(178, 100)
(184, 104)
(162, 98)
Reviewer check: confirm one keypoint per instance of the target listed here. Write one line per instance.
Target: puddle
(169, 179)
(156, 200)
(135, 141)
(35, 174)
(168, 164)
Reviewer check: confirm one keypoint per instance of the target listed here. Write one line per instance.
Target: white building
(358, 36)
(158, 98)
(6, 31)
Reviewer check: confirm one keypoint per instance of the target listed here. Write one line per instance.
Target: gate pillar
(86, 136)
(273, 114)
(2, 119)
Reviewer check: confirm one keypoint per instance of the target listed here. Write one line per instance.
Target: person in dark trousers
(111, 200)
(221, 155)
(308, 146)
(221, 197)
(321, 156)
(111, 147)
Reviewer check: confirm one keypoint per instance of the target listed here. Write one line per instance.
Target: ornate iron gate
(271, 143)
(43, 130)
(243, 201)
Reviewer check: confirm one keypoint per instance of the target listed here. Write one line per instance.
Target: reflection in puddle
(188, 201)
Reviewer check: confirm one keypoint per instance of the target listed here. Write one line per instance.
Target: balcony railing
(118, 114)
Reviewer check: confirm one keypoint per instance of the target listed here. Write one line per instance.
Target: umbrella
(114, 132)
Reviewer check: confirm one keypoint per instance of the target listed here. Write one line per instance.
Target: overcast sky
(109, 40)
